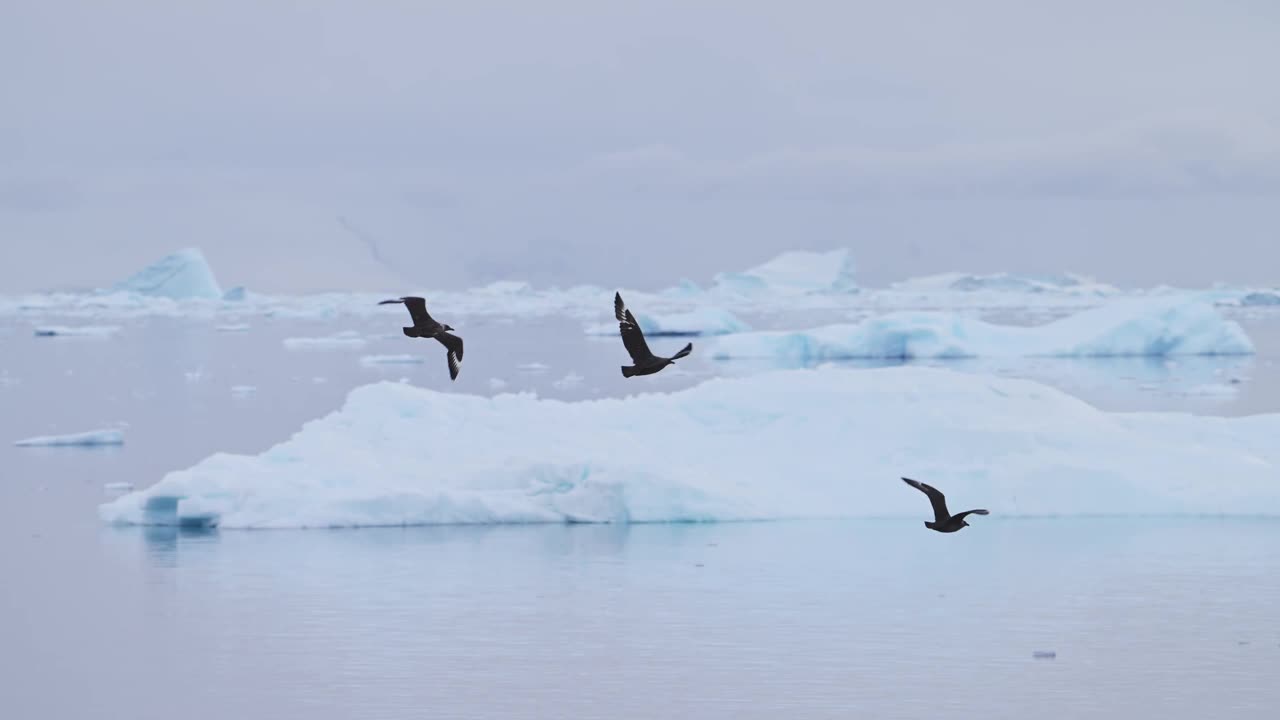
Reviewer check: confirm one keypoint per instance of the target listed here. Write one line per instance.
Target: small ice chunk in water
(337, 341)
(392, 360)
(120, 486)
(76, 331)
(497, 383)
(240, 327)
(243, 390)
(535, 367)
(1044, 654)
(84, 439)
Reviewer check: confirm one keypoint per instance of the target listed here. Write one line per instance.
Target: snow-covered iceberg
(796, 272)
(783, 444)
(701, 321)
(84, 439)
(1152, 327)
(184, 275)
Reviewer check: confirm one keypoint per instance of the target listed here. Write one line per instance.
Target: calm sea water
(1174, 618)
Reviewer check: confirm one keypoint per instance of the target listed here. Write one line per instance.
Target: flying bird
(645, 362)
(424, 326)
(943, 521)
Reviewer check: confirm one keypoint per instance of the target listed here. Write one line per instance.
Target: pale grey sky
(636, 143)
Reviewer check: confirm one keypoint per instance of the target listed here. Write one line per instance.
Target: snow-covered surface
(181, 276)
(783, 444)
(701, 321)
(84, 439)
(76, 330)
(345, 340)
(795, 272)
(1143, 327)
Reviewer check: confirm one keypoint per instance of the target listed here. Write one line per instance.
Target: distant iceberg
(796, 272)
(84, 439)
(184, 275)
(1144, 327)
(784, 444)
(702, 321)
(1067, 283)
(76, 330)
(1260, 298)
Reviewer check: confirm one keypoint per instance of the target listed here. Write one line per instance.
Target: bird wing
(960, 516)
(453, 344)
(936, 499)
(619, 309)
(418, 310)
(633, 339)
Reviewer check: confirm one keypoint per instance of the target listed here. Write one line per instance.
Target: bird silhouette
(424, 326)
(643, 359)
(943, 521)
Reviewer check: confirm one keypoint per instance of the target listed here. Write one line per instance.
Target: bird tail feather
(683, 352)
(628, 371)
(412, 332)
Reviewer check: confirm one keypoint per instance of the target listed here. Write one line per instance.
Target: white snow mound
(1142, 327)
(798, 443)
(184, 275)
(796, 272)
(84, 439)
(701, 321)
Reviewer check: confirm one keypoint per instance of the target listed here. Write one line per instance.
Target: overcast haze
(316, 145)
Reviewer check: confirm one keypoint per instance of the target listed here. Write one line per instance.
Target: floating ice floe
(571, 380)
(96, 331)
(1066, 283)
(84, 439)
(702, 321)
(1144, 327)
(783, 444)
(184, 275)
(392, 360)
(243, 390)
(233, 328)
(346, 340)
(118, 486)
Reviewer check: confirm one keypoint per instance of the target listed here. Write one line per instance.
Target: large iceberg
(783, 444)
(796, 272)
(700, 321)
(1152, 327)
(184, 275)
